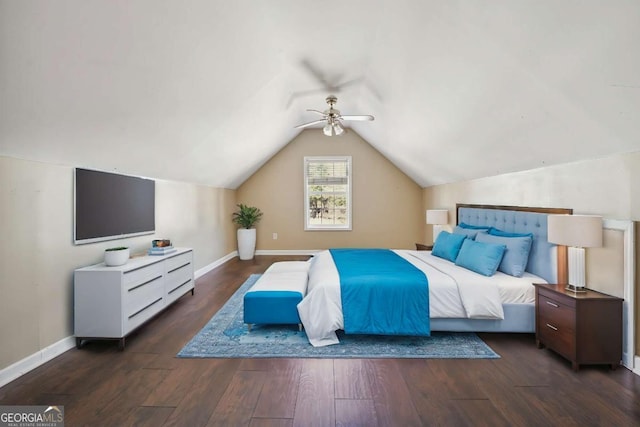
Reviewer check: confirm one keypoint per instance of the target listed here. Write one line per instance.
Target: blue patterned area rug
(225, 335)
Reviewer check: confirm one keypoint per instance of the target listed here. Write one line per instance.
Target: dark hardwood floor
(146, 385)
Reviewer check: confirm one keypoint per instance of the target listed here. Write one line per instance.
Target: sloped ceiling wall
(207, 91)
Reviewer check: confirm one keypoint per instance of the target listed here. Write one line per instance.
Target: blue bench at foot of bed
(274, 298)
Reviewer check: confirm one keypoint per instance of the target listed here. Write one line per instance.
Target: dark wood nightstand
(421, 247)
(585, 328)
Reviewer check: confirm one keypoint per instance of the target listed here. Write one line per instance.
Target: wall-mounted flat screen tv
(111, 206)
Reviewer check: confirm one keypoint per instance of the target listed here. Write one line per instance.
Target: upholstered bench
(274, 298)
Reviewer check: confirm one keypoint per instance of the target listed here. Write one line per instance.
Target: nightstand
(585, 328)
(421, 247)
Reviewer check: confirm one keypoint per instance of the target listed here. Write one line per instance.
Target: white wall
(37, 256)
(605, 186)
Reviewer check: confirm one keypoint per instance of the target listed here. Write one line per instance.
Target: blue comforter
(382, 293)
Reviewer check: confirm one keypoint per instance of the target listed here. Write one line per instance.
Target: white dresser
(110, 302)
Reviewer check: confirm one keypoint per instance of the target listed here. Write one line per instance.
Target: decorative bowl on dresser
(585, 327)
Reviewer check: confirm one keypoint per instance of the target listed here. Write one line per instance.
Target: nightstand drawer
(557, 298)
(558, 315)
(562, 341)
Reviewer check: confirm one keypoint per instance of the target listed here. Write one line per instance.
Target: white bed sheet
(321, 309)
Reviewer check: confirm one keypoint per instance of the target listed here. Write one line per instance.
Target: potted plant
(246, 217)
(116, 256)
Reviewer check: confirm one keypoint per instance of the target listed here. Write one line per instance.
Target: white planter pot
(116, 258)
(246, 243)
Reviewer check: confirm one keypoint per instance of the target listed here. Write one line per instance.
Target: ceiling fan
(333, 119)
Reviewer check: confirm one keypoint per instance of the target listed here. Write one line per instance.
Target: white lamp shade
(437, 216)
(583, 231)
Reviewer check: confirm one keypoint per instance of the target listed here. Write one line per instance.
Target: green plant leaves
(247, 216)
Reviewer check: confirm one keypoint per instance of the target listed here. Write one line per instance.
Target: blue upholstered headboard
(543, 258)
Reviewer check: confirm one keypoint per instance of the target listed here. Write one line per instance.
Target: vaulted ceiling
(207, 91)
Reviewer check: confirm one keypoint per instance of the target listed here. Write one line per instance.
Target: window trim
(328, 227)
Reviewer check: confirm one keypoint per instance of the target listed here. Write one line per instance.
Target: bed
(458, 299)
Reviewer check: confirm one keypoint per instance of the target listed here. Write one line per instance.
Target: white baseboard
(636, 365)
(38, 358)
(217, 263)
(287, 251)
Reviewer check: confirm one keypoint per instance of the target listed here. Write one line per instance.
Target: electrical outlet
(275, 236)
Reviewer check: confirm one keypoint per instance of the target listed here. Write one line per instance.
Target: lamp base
(437, 228)
(576, 289)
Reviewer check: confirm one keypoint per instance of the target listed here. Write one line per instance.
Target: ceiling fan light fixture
(333, 119)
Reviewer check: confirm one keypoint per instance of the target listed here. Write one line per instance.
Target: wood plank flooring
(146, 385)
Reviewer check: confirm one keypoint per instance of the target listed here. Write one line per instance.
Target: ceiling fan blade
(348, 83)
(358, 118)
(310, 124)
(316, 73)
(317, 111)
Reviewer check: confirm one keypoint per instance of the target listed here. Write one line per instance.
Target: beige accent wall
(37, 256)
(387, 204)
(606, 186)
(605, 265)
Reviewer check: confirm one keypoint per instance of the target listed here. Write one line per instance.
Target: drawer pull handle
(145, 283)
(179, 267)
(552, 304)
(179, 286)
(140, 268)
(144, 308)
(552, 327)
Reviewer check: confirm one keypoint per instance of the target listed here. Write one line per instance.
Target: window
(327, 193)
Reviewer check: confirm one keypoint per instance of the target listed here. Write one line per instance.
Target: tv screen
(110, 206)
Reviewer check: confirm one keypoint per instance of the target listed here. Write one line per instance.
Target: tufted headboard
(546, 260)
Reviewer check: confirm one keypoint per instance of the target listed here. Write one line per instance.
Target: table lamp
(438, 218)
(577, 232)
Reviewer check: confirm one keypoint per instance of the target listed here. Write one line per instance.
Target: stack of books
(160, 243)
(164, 250)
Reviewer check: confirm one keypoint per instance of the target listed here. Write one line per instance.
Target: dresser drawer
(143, 298)
(179, 261)
(136, 318)
(137, 297)
(133, 278)
(178, 283)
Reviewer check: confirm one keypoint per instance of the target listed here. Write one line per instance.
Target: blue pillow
(483, 258)
(448, 245)
(516, 256)
(497, 232)
(474, 227)
(469, 232)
